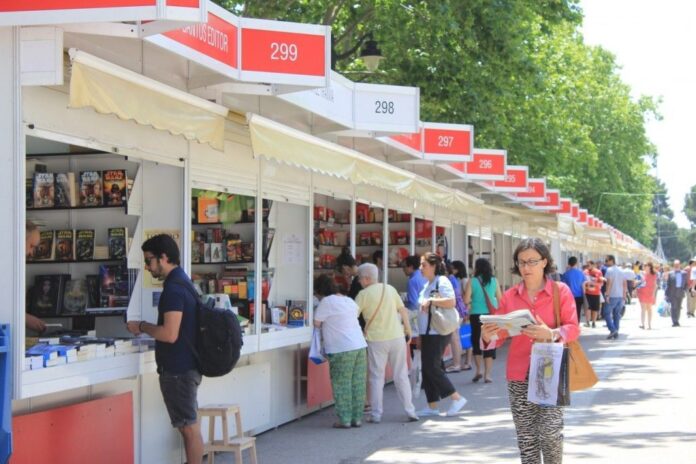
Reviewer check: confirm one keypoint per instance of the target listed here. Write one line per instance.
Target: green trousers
(348, 372)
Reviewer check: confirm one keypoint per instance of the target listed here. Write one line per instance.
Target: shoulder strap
(556, 305)
(489, 303)
(379, 306)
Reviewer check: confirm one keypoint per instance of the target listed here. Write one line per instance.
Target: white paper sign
(544, 373)
(293, 250)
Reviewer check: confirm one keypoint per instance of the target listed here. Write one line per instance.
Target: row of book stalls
(118, 149)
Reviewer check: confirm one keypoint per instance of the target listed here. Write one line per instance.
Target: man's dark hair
(345, 259)
(325, 286)
(610, 258)
(572, 261)
(377, 255)
(459, 267)
(412, 261)
(162, 244)
(533, 244)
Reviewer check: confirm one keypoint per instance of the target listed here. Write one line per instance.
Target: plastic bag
(416, 375)
(316, 350)
(664, 309)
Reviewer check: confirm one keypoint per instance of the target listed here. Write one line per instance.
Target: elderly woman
(539, 428)
(337, 316)
(437, 292)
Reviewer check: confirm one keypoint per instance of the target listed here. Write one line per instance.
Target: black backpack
(219, 338)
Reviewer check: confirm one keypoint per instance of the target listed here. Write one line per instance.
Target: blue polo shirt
(416, 283)
(177, 357)
(574, 278)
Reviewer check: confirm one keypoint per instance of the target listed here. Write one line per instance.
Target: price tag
(447, 142)
(386, 108)
(284, 53)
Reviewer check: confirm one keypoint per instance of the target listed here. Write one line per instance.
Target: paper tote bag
(581, 375)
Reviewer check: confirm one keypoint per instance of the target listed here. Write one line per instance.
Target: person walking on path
(384, 313)
(615, 297)
(482, 303)
(416, 282)
(539, 428)
(574, 278)
(345, 346)
(691, 292)
(437, 292)
(647, 294)
(593, 292)
(675, 291)
(456, 271)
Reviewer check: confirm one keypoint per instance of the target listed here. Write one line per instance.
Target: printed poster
(544, 373)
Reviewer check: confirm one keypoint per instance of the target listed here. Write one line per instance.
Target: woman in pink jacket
(539, 428)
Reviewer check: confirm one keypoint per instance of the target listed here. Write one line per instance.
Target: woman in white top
(345, 346)
(438, 291)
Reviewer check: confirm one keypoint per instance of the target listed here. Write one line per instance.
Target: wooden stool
(236, 443)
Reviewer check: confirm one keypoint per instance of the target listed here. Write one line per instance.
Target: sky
(654, 44)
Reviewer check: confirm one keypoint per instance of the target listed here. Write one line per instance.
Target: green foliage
(690, 206)
(519, 71)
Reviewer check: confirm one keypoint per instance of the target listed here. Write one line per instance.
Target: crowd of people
(373, 326)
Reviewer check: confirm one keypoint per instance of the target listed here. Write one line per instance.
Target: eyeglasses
(529, 263)
(148, 260)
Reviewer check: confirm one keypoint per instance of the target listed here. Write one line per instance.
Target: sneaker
(616, 335)
(428, 412)
(593, 325)
(413, 418)
(373, 419)
(456, 406)
(611, 336)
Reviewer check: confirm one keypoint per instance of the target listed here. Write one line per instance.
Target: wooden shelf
(108, 260)
(69, 208)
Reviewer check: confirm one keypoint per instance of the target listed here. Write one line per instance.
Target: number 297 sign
(448, 142)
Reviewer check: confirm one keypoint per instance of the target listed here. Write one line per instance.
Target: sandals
(452, 369)
(476, 378)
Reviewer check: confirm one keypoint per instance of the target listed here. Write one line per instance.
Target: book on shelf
(114, 285)
(65, 191)
(47, 295)
(44, 190)
(65, 245)
(29, 189)
(84, 244)
(75, 298)
(117, 240)
(92, 283)
(297, 311)
(91, 188)
(115, 187)
(216, 253)
(45, 250)
(268, 234)
(207, 210)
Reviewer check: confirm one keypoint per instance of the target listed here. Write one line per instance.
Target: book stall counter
(85, 373)
(286, 337)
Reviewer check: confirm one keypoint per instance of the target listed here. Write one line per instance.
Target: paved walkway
(642, 411)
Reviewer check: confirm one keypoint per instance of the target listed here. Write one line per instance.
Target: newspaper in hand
(513, 321)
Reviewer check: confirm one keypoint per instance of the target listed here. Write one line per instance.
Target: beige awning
(111, 89)
(281, 143)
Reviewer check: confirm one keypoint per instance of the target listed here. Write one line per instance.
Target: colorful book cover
(65, 245)
(75, 298)
(47, 294)
(208, 210)
(84, 245)
(113, 282)
(45, 251)
(115, 187)
(91, 192)
(44, 190)
(118, 236)
(296, 313)
(65, 190)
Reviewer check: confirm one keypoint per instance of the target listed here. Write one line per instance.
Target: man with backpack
(174, 334)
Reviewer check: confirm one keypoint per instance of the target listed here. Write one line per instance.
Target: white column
(12, 259)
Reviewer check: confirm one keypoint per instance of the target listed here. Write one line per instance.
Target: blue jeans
(612, 313)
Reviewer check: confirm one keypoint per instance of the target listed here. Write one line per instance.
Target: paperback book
(117, 238)
(47, 295)
(115, 187)
(44, 190)
(84, 245)
(65, 245)
(65, 192)
(91, 192)
(45, 251)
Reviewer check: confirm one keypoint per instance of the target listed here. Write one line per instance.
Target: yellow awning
(111, 89)
(281, 143)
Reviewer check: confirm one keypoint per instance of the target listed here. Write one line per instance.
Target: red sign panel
(283, 52)
(41, 5)
(575, 210)
(217, 39)
(536, 190)
(565, 207)
(487, 163)
(183, 3)
(515, 179)
(553, 200)
(448, 142)
(582, 215)
(412, 141)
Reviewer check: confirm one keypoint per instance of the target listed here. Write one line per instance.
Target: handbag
(491, 309)
(444, 320)
(580, 374)
(316, 350)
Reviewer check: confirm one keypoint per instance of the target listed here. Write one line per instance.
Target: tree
(690, 206)
(519, 71)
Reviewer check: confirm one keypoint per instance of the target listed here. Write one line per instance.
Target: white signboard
(386, 108)
(334, 102)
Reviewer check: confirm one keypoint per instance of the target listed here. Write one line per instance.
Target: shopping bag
(465, 336)
(563, 398)
(580, 373)
(415, 375)
(316, 350)
(664, 309)
(545, 374)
